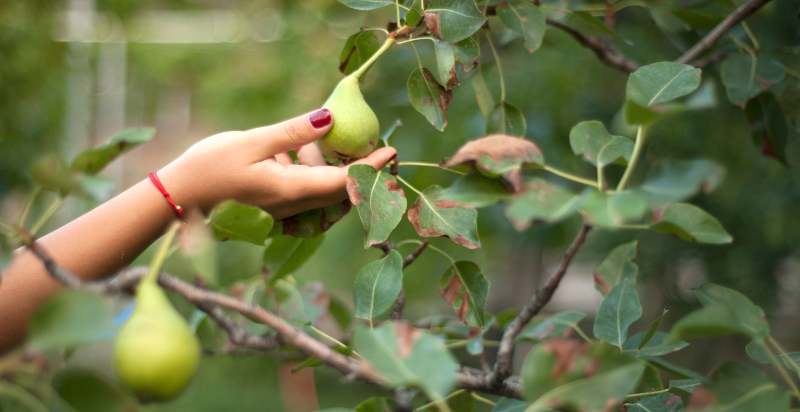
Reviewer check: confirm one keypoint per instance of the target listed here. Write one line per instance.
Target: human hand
(253, 167)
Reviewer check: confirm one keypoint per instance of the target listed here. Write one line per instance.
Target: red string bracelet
(157, 183)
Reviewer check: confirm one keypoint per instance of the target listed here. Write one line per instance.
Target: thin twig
(741, 13)
(415, 254)
(505, 354)
(400, 302)
(604, 51)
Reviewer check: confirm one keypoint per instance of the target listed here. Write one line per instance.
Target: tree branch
(605, 52)
(741, 13)
(212, 303)
(505, 354)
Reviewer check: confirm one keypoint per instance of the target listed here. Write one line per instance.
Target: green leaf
(498, 155)
(315, 222)
(197, 244)
(94, 160)
(509, 405)
(658, 345)
(366, 4)
(287, 301)
(467, 52)
(377, 286)
(476, 190)
(231, 220)
(405, 356)
(553, 326)
(527, 19)
(375, 404)
(453, 20)
(612, 209)
(769, 125)
(428, 97)
(745, 76)
(357, 50)
(70, 318)
(739, 387)
(413, 15)
(445, 63)
(88, 391)
(433, 216)
(591, 140)
(661, 82)
(465, 288)
(664, 402)
(51, 173)
(725, 312)
(676, 180)
(691, 223)
(483, 96)
(541, 200)
(592, 394)
(379, 200)
(756, 351)
(616, 267)
(16, 398)
(618, 311)
(285, 254)
(636, 114)
(506, 119)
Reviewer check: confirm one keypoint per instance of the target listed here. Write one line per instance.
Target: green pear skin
(355, 126)
(156, 353)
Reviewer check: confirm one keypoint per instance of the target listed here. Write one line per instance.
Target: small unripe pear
(355, 126)
(156, 353)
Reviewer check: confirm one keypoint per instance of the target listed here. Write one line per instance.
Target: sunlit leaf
(406, 356)
(541, 200)
(286, 254)
(428, 97)
(618, 311)
(379, 200)
(231, 220)
(94, 160)
(465, 288)
(676, 180)
(612, 209)
(591, 140)
(433, 216)
(553, 326)
(526, 19)
(725, 312)
(497, 155)
(366, 4)
(453, 20)
(661, 82)
(377, 286)
(507, 119)
(357, 50)
(616, 267)
(70, 318)
(745, 76)
(691, 223)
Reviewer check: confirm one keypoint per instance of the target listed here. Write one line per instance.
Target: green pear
(355, 126)
(155, 353)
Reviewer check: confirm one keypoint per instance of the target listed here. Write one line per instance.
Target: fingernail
(320, 118)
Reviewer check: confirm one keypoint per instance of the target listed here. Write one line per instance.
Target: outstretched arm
(250, 166)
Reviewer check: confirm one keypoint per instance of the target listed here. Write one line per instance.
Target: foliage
(621, 363)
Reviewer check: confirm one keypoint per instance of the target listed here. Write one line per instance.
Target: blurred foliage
(246, 83)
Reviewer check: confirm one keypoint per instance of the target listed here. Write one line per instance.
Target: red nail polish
(320, 118)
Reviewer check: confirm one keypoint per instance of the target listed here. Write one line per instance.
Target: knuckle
(293, 134)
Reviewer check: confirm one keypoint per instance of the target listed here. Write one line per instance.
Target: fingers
(283, 159)
(379, 158)
(291, 134)
(310, 155)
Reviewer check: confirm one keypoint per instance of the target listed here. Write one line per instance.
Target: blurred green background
(73, 72)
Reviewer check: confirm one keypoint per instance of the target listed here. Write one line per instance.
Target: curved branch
(505, 354)
(741, 13)
(605, 52)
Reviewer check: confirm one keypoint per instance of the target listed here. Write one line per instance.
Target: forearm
(92, 246)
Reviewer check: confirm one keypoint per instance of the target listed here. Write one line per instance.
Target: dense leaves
(428, 97)
(379, 200)
(433, 215)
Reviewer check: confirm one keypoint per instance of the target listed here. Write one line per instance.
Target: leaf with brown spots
(433, 216)
(428, 97)
(498, 155)
(465, 288)
(379, 200)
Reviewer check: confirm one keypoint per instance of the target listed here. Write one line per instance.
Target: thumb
(293, 133)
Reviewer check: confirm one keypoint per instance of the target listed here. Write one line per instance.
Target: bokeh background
(73, 72)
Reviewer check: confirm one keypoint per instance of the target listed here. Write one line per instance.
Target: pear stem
(385, 46)
(161, 253)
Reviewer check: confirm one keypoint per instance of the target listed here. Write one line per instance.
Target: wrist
(176, 179)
